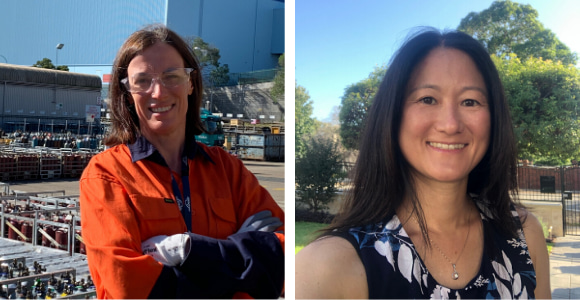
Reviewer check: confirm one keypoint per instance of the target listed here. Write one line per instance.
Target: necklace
(455, 274)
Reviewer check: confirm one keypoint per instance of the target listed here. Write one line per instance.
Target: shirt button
(193, 212)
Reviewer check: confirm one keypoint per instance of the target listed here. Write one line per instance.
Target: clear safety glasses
(143, 82)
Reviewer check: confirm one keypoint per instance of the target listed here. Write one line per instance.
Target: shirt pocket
(157, 216)
(225, 220)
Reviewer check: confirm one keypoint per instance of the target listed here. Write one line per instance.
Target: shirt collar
(143, 149)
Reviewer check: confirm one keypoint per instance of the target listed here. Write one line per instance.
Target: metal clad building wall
(30, 95)
(20, 99)
(2, 93)
(74, 102)
(242, 30)
(247, 32)
(38, 101)
(91, 31)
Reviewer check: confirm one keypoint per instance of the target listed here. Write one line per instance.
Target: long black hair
(382, 177)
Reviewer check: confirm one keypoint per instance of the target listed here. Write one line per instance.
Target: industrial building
(86, 35)
(35, 99)
(248, 33)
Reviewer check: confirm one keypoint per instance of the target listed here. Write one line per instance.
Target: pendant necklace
(455, 275)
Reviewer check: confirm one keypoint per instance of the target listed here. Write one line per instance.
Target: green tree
(304, 123)
(209, 56)
(46, 63)
(318, 172)
(277, 91)
(544, 101)
(356, 102)
(508, 27)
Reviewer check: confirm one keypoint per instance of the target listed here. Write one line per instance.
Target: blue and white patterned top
(395, 270)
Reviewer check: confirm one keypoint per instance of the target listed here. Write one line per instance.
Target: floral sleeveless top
(395, 270)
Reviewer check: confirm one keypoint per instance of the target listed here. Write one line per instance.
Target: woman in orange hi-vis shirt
(162, 215)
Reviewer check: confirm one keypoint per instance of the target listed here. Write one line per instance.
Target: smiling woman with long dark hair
(431, 211)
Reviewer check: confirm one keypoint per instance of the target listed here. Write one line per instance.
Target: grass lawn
(305, 233)
(550, 245)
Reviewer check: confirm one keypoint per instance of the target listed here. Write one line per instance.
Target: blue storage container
(250, 140)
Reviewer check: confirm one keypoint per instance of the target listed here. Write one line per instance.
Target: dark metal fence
(558, 184)
(554, 184)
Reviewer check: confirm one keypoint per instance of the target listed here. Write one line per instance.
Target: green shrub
(318, 172)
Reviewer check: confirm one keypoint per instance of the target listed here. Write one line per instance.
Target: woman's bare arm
(538, 252)
(330, 268)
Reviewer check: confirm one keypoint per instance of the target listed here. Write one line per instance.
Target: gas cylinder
(26, 230)
(46, 242)
(61, 237)
(11, 233)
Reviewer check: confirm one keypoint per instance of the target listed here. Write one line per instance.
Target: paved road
(269, 174)
(565, 268)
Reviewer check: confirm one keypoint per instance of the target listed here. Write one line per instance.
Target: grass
(305, 233)
(550, 245)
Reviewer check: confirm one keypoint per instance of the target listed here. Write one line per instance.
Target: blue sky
(339, 42)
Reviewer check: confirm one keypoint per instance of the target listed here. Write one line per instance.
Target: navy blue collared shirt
(143, 149)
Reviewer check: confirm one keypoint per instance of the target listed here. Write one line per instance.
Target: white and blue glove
(173, 250)
(168, 250)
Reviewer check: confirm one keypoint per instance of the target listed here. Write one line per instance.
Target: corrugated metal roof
(47, 76)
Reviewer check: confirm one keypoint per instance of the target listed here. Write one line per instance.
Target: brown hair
(124, 121)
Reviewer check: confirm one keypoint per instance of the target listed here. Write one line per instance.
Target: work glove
(261, 221)
(251, 262)
(168, 250)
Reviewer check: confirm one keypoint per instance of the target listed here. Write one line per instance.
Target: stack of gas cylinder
(8, 166)
(50, 166)
(27, 166)
(73, 163)
(53, 236)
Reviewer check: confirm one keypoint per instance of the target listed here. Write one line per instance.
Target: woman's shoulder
(536, 242)
(217, 154)
(330, 268)
(118, 152)
(533, 233)
(108, 159)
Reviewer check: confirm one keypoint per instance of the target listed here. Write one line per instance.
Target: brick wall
(529, 177)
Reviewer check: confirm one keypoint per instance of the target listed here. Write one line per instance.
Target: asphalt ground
(269, 174)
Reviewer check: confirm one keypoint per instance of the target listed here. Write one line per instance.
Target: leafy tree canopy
(544, 101)
(209, 56)
(304, 123)
(46, 63)
(356, 102)
(508, 27)
(278, 89)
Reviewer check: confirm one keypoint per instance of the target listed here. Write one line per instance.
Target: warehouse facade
(35, 99)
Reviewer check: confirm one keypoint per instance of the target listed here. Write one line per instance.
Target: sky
(339, 42)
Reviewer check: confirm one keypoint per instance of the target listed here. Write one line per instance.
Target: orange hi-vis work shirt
(125, 201)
